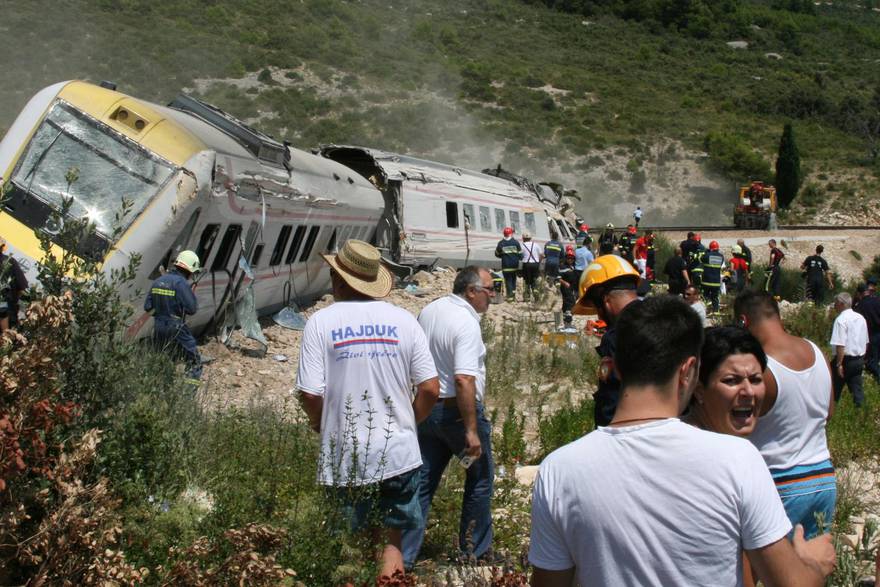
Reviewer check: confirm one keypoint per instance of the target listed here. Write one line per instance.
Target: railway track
(731, 228)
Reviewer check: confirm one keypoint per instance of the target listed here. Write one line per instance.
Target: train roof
(404, 167)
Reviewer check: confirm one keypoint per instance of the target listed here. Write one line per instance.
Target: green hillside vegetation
(528, 82)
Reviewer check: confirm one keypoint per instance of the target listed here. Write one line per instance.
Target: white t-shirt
(851, 332)
(663, 503)
(531, 252)
(363, 358)
(456, 342)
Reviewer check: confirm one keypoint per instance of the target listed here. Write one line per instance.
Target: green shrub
(568, 423)
(873, 270)
(733, 158)
(509, 446)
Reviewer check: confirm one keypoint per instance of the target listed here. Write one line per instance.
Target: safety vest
(509, 251)
(552, 252)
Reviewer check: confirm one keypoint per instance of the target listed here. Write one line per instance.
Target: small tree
(788, 168)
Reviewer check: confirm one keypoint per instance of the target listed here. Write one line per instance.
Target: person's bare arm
(466, 399)
(831, 402)
(545, 578)
(799, 563)
(312, 405)
(427, 393)
(838, 353)
(770, 393)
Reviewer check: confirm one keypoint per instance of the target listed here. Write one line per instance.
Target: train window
(469, 216)
(500, 222)
(452, 214)
(344, 235)
(255, 258)
(280, 245)
(227, 245)
(485, 219)
(310, 242)
(530, 222)
(514, 221)
(294, 247)
(331, 243)
(206, 242)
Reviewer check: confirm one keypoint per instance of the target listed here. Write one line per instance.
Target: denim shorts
(392, 503)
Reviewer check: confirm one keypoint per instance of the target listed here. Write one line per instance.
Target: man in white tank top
(791, 429)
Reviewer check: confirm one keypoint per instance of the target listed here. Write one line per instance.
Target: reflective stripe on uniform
(161, 291)
(508, 269)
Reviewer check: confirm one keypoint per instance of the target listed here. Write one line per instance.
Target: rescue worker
(607, 240)
(713, 264)
(640, 254)
(531, 267)
(569, 278)
(739, 268)
(816, 270)
(552, 257)
(509, 251)
(687, 247)
(626, 242)
(652, 255)
(746, 255)
(583, 232)
(607, 286)
(695, 261)
(171, 299)
(12, 284)
(774, 270)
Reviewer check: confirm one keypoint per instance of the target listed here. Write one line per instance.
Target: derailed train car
(437, 213)
(255, 210)
(196, 179)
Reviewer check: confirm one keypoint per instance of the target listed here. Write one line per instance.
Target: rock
(423, 277)
(738, 44)
(526, 475)
(776, 56)
(849, 540)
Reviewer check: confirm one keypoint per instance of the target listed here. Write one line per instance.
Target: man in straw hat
(359, 360)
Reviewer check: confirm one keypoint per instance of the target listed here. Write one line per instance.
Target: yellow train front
(193, 177)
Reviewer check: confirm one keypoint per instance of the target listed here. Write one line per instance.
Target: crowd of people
(709, 463)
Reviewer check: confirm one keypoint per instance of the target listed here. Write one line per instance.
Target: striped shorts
(809, 494)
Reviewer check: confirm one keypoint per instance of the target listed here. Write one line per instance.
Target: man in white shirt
(532, 255)
(359, 359)
(650, 500)
(692, 297)
(849, 340)
(457, 427)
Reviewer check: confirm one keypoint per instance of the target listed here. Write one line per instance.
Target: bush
(565, 425)
(730, 156)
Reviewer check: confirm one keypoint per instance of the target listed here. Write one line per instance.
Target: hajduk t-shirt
(364, 358)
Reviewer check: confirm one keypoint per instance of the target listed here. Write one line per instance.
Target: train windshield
(74, 156)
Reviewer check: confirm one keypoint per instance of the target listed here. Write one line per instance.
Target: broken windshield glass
(74, 156)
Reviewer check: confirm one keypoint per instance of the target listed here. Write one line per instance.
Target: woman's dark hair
(723, 341)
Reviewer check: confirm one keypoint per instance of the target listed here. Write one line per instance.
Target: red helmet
(569, 251)
(584, 228)
(631, 229)
(697, 237)
(508, 231)
(713, 246)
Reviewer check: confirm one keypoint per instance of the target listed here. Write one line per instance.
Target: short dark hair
(819, 249)
(466, 278)
(755, 305)
(654, 337)
(691, 234)
(723, 341)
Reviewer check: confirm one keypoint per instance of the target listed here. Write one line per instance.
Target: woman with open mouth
(728, 396)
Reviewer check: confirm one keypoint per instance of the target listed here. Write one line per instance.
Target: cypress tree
(788, 168)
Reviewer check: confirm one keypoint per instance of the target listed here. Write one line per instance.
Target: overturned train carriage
(195, 178)
(441, 214)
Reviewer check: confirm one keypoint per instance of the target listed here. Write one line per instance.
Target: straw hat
(359, 265)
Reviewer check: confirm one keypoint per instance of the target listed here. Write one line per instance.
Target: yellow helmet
(602, 272)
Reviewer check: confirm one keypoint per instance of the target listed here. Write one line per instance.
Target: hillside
(614, 99)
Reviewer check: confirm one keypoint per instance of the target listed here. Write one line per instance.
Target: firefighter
(713, 263)
(652, 254)
(552, 258)
(171, 299)
(607, 286)
(739, 268)
(569, 278)
(626, 242)
(509, 251)
(607, 240)
(695, 261)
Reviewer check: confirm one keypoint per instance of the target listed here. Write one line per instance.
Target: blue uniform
(171, 299)
(552, 255)
(509, 251)
(713, 263)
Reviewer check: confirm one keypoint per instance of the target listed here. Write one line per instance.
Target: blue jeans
(441, 437)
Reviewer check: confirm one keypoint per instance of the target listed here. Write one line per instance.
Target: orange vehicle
(754, 206)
